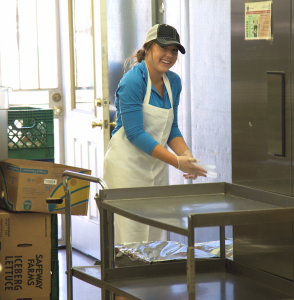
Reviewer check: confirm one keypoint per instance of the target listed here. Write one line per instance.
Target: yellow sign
(258, 20)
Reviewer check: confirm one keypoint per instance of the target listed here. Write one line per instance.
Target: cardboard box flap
(26, 185)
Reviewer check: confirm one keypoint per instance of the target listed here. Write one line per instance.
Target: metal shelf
(171, 213)
(90, 274)
(180, 209)
(209, 286)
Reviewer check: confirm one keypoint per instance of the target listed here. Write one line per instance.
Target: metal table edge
(86, 277)
(144, 220)
(162, 191)
(257, 216)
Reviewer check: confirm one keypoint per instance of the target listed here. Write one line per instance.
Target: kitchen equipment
(181, 209)
(262, 124)
(4, 105)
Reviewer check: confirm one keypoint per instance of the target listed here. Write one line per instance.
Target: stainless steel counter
(180, 209)
(172, 212)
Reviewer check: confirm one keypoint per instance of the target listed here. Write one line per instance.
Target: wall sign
(258, 20)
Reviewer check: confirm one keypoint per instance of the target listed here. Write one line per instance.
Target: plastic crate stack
(31, 133)
(31, 136)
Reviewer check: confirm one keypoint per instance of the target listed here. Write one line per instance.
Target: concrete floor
(81, 290)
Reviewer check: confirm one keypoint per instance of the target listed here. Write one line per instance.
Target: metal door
(261, 132)
(261, 105)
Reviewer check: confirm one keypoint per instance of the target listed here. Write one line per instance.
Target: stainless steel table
(180, 209)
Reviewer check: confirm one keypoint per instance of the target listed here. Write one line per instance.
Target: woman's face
(161, 59)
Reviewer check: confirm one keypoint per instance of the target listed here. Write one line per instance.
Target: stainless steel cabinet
(261, 102)
(262, 130)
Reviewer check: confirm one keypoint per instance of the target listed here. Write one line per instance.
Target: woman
(147, 100)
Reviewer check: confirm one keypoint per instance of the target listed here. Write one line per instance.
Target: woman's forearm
(161, 153)
(177, 144)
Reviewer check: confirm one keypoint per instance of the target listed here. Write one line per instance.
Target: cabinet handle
(276, 113)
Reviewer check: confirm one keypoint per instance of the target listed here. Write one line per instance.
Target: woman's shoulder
(132, 83)
(134, 76)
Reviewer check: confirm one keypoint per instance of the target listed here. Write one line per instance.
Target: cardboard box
(25, 256)
(25, 185)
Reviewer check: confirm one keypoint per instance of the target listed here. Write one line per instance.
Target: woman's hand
(181, 162)
(185, 164)
(189, 176)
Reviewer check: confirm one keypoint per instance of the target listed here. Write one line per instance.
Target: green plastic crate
(30, 133)
(54, 259)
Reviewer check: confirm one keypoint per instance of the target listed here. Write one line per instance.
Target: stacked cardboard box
(26, 185)
(26, 262)
(25, 256)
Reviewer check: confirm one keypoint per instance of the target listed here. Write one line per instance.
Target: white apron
(126, 166)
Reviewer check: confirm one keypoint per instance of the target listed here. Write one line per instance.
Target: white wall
(205, 69)
(205, 107)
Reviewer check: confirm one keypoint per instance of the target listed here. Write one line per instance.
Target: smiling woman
(146, 101)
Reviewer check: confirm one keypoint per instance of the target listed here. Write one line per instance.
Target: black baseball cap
(164, 35)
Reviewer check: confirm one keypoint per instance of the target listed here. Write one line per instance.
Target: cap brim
(165, 42)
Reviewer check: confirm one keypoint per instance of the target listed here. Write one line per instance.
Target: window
(30, 60)
(28, 49)
(83, 52)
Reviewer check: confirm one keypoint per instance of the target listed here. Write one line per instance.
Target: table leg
(191, 262)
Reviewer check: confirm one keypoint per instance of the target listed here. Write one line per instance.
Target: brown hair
(138, 56)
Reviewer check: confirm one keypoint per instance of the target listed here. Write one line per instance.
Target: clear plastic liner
(207, 168)
(161, 251)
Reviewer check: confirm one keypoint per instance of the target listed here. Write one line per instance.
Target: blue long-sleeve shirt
(129, 98)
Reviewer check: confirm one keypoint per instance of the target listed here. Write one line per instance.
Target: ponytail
(138, 56)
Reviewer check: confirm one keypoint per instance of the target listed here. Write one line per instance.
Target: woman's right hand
(189, 176)
(185, 164)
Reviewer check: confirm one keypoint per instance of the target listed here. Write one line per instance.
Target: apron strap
(148, 90)
(168, 88)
